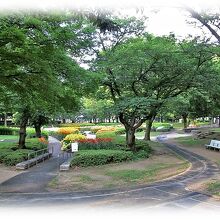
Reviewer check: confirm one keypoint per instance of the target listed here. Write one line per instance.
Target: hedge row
(8, 131)
(86, 158)
(11, 158)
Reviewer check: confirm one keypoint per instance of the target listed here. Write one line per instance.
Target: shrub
(109, 134)
(68, 130)
(85, 129)
(120, 131)
(70, 138)
(14, 157)
(95, 144)
(95, 129)
(100, 157)
(9, 131)
(4, 153)
(35, 144)
(106, 129)
(32, 134)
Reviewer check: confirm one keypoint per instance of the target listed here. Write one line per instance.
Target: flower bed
(70, 138)
(68, 130)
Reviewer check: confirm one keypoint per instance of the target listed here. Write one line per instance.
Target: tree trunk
(185, 125)
(23, 125)
(5, 119)
(219, 121)
(148, 129)
(37, 127)
(130, 139)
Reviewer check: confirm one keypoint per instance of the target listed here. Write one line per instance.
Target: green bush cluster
(86, 158)
(107, 134)
(32, 134)
(10, 154)
(162, 127)
(11, 158)
(98, 146)
(9, 131)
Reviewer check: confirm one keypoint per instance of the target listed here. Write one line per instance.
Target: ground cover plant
(10, 154)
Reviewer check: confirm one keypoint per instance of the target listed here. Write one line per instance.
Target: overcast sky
(168, 19)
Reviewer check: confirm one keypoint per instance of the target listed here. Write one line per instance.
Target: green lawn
(214, 188)
(191, 142)
(152, 134)
(8, 137)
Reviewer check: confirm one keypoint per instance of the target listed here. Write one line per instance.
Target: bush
(82, 129)
(86, 158)
(68, 130)
(14, 157)
(107, 134)
(32, 134)
(96, 144)
(35, 144)
(120, 131)
(4, 153)
(9, 131)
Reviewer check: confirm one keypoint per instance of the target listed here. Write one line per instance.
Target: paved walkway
(170, 193)
(36, 178)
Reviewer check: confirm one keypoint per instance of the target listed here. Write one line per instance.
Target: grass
(152, 134)
(137, 176)
(214, 188)
(85, 179)
(9, 137)
(191, 142)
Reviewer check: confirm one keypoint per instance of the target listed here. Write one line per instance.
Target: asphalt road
(171, 193)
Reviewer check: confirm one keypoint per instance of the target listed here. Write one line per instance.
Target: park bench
(29, 163)
(214, 144)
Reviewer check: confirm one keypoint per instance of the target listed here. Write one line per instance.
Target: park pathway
(170, 193)
(36, 178)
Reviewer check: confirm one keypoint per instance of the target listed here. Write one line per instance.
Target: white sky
(168, 19)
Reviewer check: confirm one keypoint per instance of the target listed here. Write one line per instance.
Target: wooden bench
(214, 144)
(29, 163)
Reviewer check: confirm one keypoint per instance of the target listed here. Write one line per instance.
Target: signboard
(74, 147)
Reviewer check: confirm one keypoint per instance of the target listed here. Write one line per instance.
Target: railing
(65, 155)
(37, 153)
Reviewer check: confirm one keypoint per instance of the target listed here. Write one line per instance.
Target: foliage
(86, 158)
(70, 138)
(8, 131)
(96, 144)
(31, 133)
(68, 130)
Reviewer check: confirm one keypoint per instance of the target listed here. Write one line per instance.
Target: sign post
(74, 147)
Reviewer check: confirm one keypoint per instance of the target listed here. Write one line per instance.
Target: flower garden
(107, 147)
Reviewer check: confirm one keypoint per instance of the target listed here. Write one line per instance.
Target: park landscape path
(35, 179)
(169, 193)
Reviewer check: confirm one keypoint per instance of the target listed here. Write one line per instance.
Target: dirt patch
(120, 175)
(7, 173)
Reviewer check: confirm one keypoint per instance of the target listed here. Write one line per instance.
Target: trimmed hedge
(10, 155)
(9, 131)
(32, 134)
(11, 158)
(86, 158)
